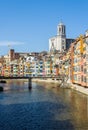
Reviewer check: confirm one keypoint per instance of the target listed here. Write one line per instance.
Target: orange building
(78, 67)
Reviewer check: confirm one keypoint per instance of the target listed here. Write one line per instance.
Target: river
(44, 107)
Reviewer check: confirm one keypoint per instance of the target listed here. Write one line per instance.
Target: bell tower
(61, 30)
(61, 37)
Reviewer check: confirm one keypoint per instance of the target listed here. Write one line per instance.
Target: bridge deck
(44, 77)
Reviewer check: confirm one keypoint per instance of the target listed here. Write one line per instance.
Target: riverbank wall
(50, 81)
(69, 85)
(79, 88)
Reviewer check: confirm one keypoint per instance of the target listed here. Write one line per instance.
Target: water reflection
(45, 107)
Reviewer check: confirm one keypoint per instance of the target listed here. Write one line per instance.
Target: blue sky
(27, 25)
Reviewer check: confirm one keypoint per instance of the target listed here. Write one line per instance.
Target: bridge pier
(29, 83)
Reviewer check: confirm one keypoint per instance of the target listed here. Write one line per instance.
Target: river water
(44, 107)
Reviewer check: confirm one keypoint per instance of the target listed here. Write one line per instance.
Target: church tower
(61, 37)
(61, 30)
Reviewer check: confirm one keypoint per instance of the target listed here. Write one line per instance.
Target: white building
(59, 42)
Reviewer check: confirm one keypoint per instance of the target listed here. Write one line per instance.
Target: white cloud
(9, 43)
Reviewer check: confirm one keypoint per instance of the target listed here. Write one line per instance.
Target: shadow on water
(33, 116)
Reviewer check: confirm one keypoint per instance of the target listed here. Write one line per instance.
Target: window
(60, 30)
(63, 41)
(82, 78)
(84, 48)
(85, 79)
(79, 78)
(75, 77)
(82, 68)
(62, 47)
